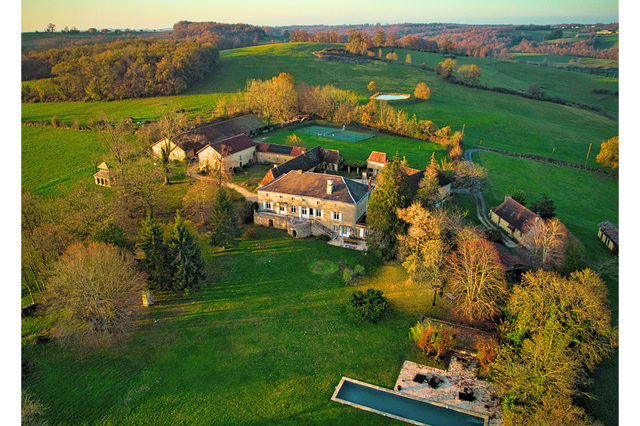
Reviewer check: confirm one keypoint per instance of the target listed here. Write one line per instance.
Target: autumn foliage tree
(546, 241)
(470, 74)
(422, 91)
(275, 98)
(476, 279)
(608, 155)
(446, 68)
(96, 286)
(372, 86)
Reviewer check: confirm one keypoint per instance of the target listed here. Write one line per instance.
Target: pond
(391, 97)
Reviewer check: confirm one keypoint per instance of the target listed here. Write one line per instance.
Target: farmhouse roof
(377, 157)
(610, 230)
(272, 148)
(232, 145)
(415, 176)
(210, 133)
(515, 214)
(314, 185)
(307, 161)
(104, 166)
(104, 174)
(508, 258)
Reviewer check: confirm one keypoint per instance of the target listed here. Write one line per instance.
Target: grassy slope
(265, 342)
(52, 156)
(497, 73)
(501, 121)
(563, 60)
(583, 199)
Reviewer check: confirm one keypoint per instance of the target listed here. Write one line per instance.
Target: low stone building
(307, 203)
(376, 161)
(315, 159)
(513, 217)
(182, 148)
(234, 152)
(608, 233)
(104, 177)
(276, 154)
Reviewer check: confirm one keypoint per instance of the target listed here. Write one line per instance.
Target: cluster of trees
(220, 36)
(557, 329)
(281, 98)
(467, 74)
(320, 37)
(117, 70)
(584, 48)
(436, 340)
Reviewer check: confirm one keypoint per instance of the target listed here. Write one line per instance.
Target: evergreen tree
(545, 207)
(156, 260)
(186, 260)
(224, 220)
(390, 194)
(429, 186)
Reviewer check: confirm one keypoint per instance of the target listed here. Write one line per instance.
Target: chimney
(369, 184)
(507, 196)
(329, 186)
(537, 217)
(299, 171)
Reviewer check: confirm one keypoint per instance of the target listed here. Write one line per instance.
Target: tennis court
(339, 134)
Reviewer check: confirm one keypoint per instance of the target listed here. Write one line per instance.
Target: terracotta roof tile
(314, 185)
(377, 157)
(515, 214)
(232, 145)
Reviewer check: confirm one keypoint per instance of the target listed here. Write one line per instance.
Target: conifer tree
(156, 260)
(186, 259)
(224, 220)
(429, 185)
(390, 194)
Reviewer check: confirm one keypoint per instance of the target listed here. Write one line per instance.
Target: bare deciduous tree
(546, 241)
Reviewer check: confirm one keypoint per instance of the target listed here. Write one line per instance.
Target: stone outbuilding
(608, 233)
(277, 154)
(104, 177)
(315, 159)
(376, 161)
(237, 151)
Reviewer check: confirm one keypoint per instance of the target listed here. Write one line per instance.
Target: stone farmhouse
(308, 203)
(315, 159)
(376, 162)
(233, 152)
(186, 145)
(608, 233)
(513, 217)
(276, 154)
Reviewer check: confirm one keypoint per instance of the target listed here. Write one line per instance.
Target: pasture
(265, 342)
(501, 121)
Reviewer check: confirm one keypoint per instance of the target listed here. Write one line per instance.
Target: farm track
(248, 196)
(476, 194)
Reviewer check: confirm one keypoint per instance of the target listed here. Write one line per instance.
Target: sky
(157, 14)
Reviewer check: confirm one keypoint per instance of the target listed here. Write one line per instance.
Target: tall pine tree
(186, 259)
(156, 260)
(429, 185)
(390, 194)
(224, 220)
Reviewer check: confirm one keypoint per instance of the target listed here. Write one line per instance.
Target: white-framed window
(293, 198)
(293, 209)
(317, 202)
(335, 228)
(311, 211)
(282, 210)
(303, 210)
(318, 213)
(267, 205)
(336, 216)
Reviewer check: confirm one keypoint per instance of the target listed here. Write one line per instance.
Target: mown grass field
(500, 121)
(265, 342)
(562, 60)
(576, 87)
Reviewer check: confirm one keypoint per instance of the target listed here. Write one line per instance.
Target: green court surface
(328, 132)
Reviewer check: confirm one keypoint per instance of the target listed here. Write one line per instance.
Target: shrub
(250, 234)
(433, 339)
(323, 237)
(348, 276)
(372, 86)
(55, 121)
(366, 306)
(487, 354)
(294, 140)
(358, 271)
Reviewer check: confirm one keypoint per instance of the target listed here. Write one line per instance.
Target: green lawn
(583, 199)
(265, 342)
(251, 176)
(500, 121)
(52, 156)
(576, 87)
(417, 152)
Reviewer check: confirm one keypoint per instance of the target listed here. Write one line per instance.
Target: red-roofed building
(234, 152)
(376, 161)
(513, 217)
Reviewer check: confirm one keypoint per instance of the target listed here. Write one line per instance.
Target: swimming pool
(391, 97)
(406, 408)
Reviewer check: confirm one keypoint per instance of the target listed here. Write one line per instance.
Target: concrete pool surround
(381, 96)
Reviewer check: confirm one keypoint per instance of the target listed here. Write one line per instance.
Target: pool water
(408, 408)
(391, 97)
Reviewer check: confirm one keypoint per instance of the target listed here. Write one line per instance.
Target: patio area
(349, 243)
(445, 387)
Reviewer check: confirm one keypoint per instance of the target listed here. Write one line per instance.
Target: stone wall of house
(176, 152)
(269, 157)
(211, 156)
(444, 191)
(326, 208)
(270, 220)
